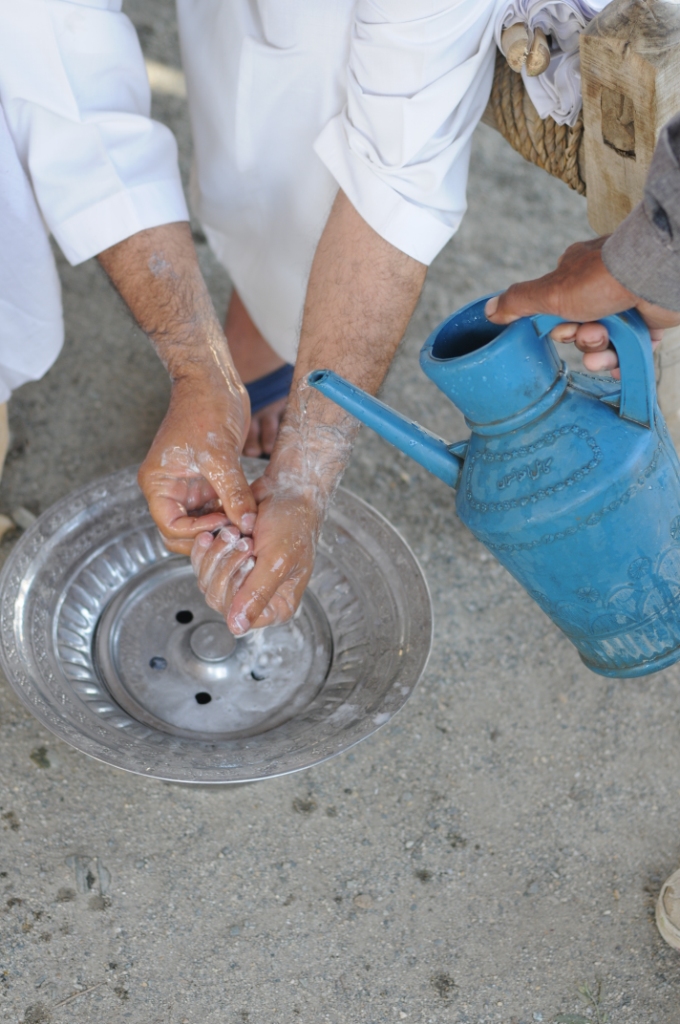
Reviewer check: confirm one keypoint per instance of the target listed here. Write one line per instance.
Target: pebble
(363, 900)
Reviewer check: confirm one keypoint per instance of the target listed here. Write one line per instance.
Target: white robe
(288, 102)
(31, 329)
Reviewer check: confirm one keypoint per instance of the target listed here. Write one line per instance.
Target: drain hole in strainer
(203, 698)
(184, 617)
(256, 676)
(158, 663)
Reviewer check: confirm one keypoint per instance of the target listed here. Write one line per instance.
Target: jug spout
(420, 444)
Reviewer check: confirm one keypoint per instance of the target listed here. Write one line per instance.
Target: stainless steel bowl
(106, 638)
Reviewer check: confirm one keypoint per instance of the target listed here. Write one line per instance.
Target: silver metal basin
(106, 638)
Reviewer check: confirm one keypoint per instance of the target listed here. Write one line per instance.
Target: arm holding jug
(638, 266)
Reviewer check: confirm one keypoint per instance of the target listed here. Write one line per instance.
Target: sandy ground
(491, 851)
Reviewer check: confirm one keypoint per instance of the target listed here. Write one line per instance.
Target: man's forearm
(361, 295)
(157, 274)
(191, 476)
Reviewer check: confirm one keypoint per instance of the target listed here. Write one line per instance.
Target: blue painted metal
(571, 481)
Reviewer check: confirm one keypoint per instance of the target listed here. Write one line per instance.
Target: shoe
(668, 910)
(266, 390)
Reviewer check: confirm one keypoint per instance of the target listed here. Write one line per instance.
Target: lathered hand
(582, 291)
(261, 584)
(192, 476)
(221, 562)
(264, 589)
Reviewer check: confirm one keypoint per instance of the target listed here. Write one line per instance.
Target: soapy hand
(582, 291)
(221, 561)
(192, 476)
(260, 582)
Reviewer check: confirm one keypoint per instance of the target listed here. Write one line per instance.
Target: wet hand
(192, 476)
(311, 453)
(221, 562)
(260, 581)
(582, 291)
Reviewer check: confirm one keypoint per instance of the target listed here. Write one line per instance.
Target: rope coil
(554, 147)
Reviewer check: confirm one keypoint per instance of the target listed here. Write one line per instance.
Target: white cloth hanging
(564, 20)
(556, 92)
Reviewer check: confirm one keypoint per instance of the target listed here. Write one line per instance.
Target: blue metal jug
(572, 481)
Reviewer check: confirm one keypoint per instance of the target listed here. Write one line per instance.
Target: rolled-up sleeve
(77, 101)
(418, 80)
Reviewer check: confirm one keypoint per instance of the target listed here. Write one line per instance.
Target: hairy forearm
(156, 272)
(361, 295)
(191, 476)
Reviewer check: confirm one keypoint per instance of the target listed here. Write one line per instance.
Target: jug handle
(629, 335)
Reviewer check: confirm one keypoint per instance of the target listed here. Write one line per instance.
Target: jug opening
(492, 373)
(460, 339)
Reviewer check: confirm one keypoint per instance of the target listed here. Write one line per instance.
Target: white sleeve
(77, 101)
(419, 77)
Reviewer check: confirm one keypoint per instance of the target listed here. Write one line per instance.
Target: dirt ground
(489, 853)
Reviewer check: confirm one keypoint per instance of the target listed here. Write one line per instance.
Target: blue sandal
(271, 388)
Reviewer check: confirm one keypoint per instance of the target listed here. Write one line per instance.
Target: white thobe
(288, 102)
(31, 329)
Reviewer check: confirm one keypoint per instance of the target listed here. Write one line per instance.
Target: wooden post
(630, 73)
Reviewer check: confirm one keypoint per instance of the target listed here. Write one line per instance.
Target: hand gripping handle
(629, 335)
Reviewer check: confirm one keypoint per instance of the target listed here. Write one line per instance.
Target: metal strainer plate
(106, 638)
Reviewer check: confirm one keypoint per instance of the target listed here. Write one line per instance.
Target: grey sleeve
(644, 251)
